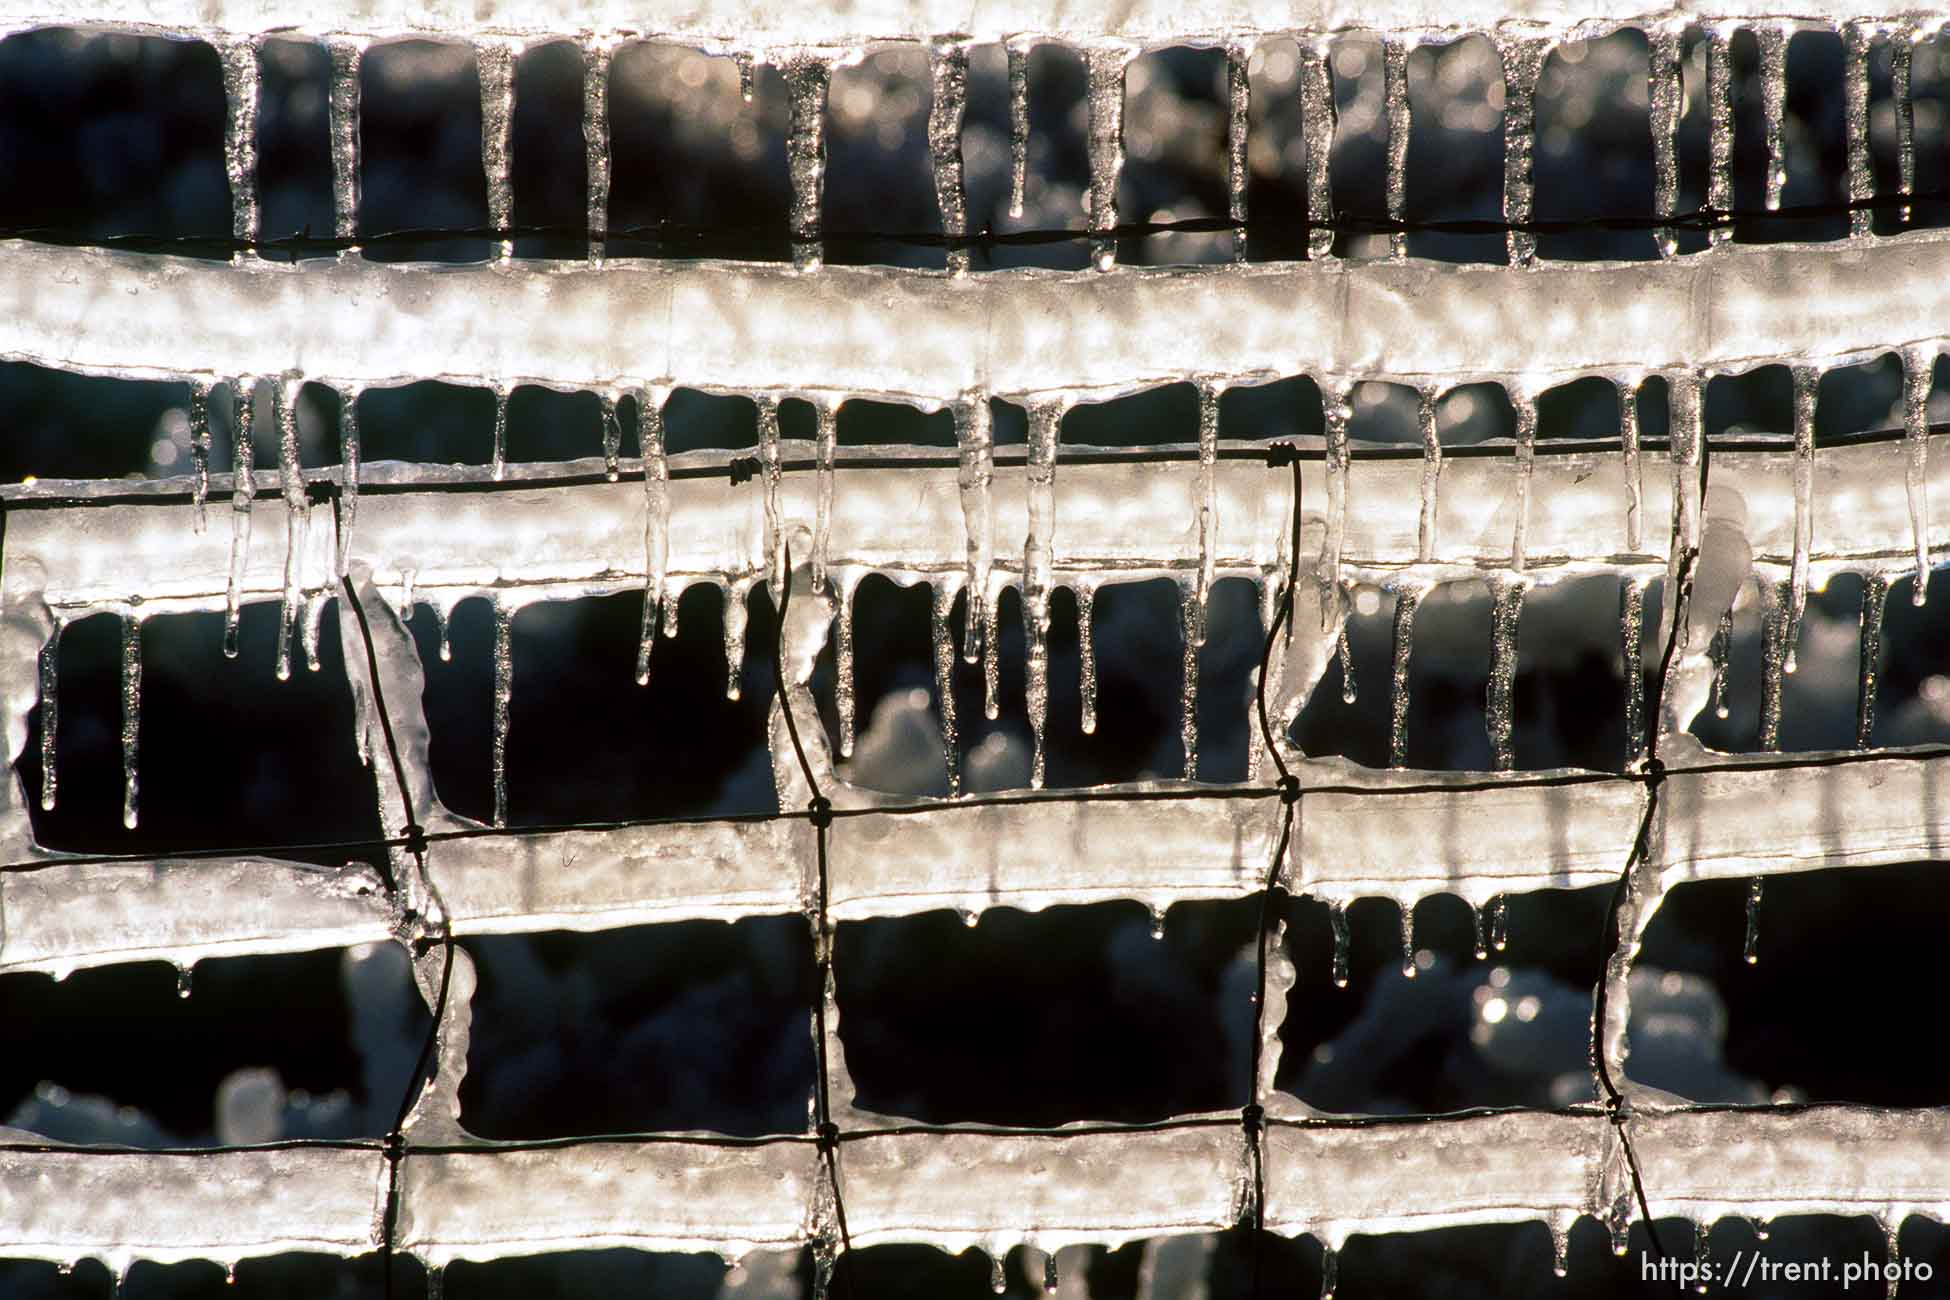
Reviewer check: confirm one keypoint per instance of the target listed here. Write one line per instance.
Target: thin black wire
(303, 244)
(819, 809)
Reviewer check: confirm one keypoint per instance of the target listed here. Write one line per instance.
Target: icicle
(241, 86)
(1892, 1272)
(291, 478)
(1105, 67)
(50, 715)
(1628, 436)
(1087, 653)
(1482, 945)
(843, 696)
(1045, 421)
(1665, 46)
(1508, 594)
(1239, 114)
(671, 601)
(1702, 1256)
(1807, 381)
(1208, 507)
(1753, 920)
(494, 63)
(1683, 392)
(747, 73)
(1500, 922)
(348, 474)
(1337, 914)
(1018, 51)
(1560, 1249)
(806, 81)
(1856, 40)
(595, 143)
(991, 659)
(1719, 111)
(243, 492)
(1330, 1272)
(199, 451)
(1407, 598)
(771, 466)
(825, 448)
(1188, 691)
(343, 111)
(313, 617)
(1631, 617)
(500, 455)
(944, 679)
(436, 1282)
(131, 712)
(504, 694)
(1526, 408)
(1717, 652)
(612, 436)
(185, 981)
(656, 521)
(1408, 940)
(1919, 370)
(1523, 60)
(1050, 1280)
(1394, 63)
(1902, 45)
(1773, 42)
(949, 63)
(1431, 474)
(1157, 921)
(975, 440)
(1255, 742)
(1317, 120)
(1348, 692)
(441, 624)
(736, 615)
(1875, 596)
(1773, 625)
(1334, 395)
(998, 1280)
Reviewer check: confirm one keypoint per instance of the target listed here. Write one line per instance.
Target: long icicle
(1208, 506)
(1188, 689)
(1086, 591)
(1719, 132)
(612, 434)
(656, 520)
(1773, 41)
(1317, 121)
(348, 475)
(1902, 47)
(131, 713)
(1045, 421)
(504, 694)
(1334, 399)
(199, 452)
(1408, 598)
(1773, 626)
(1875, 598)
(242, 84)
(772, 468)
(297, 506)
(595, 142)
(974, 438)
(1526, 411)
(1239, 116)
(1394, 64)
(1919, 372)
(1431, 474)
(1018, 52)
(343, 112)
(1683, 401)
(1807, 385)
(494, 63)
(807, 79)
(50, 665)
(948, 62)
(1105, 67)
(1628, 437)
(1664, 48)
(825, 449)
(498, 463)
(1505, 616)
(944, 678)
(1718, 652)
(1857, 39)
(243, 493)
(1523, 60)
(1631, 617)
(844, 696)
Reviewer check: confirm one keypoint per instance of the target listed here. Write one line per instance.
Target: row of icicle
(1784, 602)
(808, 77)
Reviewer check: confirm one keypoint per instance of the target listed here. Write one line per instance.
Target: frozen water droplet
(1753, 920)
(736, 615)
(1330, 1273)
(1157, 922)
(1560, 1249)
(1050, 1280)
(1482, 945)
(230, 1275)
(1702, 1256)
(998, 1279)
(1500, 922)
(1337, 915)
(747, 73)
(969, 916)
(436, 1283)
(183, 981)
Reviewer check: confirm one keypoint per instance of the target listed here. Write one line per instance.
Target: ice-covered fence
(973, 523)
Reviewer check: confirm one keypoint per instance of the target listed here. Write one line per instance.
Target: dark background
(1074, 1013)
